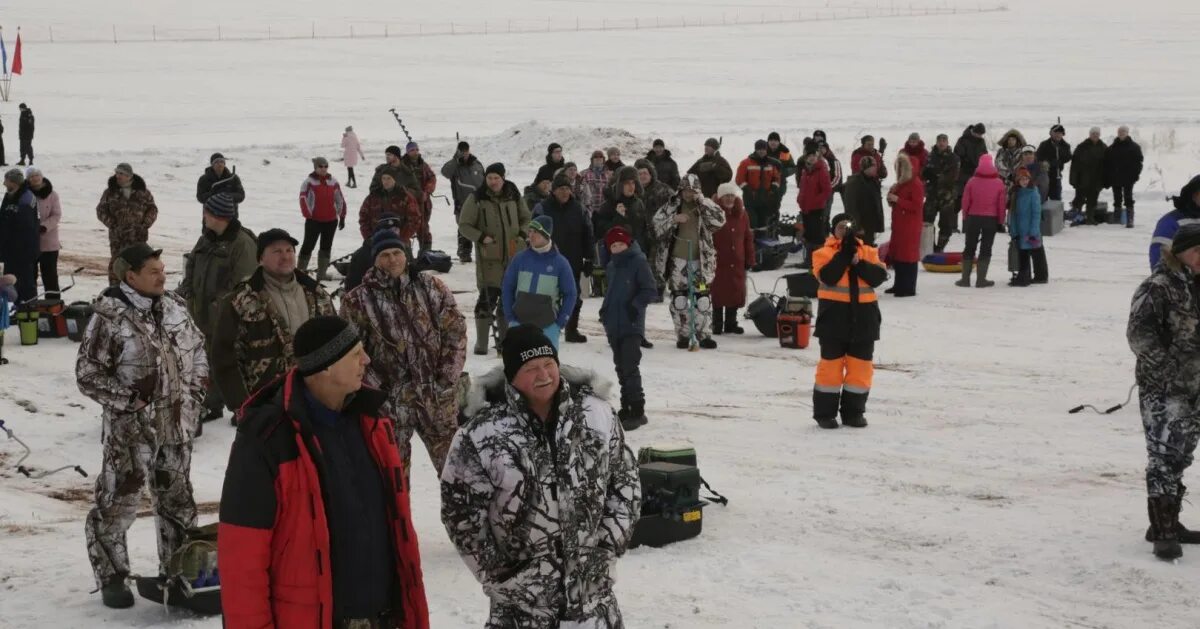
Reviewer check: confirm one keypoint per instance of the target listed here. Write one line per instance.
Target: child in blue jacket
(631, 288)
(539, 287)
(8, 297)
(1025, 227)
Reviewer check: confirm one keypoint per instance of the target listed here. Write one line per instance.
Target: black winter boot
(646, 344)
(981, 280)
(683, 342)
(731, 322)
(1129, 222)
(718, 320)
(708, 343)
(827, 422)
(116, 594)
(635, 417)
(573, 336)
(965, 282)
(1164, 518)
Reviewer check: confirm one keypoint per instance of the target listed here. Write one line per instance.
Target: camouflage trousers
(941, 206)
(684, 313)
(127, 467)
(1172, 431)
(605, 615)
(436, 427)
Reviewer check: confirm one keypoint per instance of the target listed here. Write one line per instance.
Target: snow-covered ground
(973, 500)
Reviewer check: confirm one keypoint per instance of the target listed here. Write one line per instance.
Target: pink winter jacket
(49, 215)
(351, 149)
(984, 194)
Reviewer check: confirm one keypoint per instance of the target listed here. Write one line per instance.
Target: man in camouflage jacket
(128, 210)
(142, 359)
(941, 200)
(540, 493)
(417, 340)
(684, 228)
(256, 323)
(656, 196)
(1164, 334)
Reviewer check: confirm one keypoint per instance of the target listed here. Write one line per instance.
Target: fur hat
(124, 169)
(729, 188)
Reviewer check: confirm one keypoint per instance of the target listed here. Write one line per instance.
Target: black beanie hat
(819, 134)
(978, 128)
(212, 159)
(659, 142)
(774, 135)
(560, 181)
(1187, 237)
(523, 344)
(463, 146)
(760, 145)
(495, 169)
(272, 236)
(321, 342)
(394, 150)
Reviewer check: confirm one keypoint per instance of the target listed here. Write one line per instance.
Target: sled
(943, 262)
(205, 601)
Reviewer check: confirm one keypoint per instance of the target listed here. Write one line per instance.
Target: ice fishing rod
(401, 123)
(1109, 411)
(27, 472)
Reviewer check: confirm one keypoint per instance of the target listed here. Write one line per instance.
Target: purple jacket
(984, 194)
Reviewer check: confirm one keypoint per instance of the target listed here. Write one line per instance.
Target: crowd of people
(327, 393)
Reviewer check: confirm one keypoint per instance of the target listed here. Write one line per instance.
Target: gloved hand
(342, 223)
(882, 145)
(849, 245)
(42, 229)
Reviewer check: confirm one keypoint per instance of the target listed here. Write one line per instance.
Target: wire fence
(290, 31)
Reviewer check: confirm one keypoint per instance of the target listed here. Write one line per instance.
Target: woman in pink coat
(49, 215)
(351, 152)
(984, 201)
(907, 198)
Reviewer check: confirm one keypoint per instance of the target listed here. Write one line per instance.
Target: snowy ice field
(973, 500)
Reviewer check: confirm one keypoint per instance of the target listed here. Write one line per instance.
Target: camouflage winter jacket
(138, 348)
(665, 229)
(416, 338)
(128, 219)
(1164, 332)
(216, 264)
(541, 518)
(1009, 159)
(941, 171)
(251, 344)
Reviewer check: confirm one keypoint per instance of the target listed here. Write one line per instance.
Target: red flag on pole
(16, 68)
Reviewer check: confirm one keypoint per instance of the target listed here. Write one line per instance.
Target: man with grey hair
(1087, 177)
(1123, 167)
(19, 235)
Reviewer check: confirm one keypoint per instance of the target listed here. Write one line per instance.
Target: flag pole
(5, 75)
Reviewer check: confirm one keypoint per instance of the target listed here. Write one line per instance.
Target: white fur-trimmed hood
(489, 387)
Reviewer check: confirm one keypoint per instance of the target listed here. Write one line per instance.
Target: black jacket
(20, 239)
(572, 230)
(548, 169)
(25, 125)
(1057, 154)
(1123, 162)
(668, 170)
(360, 263)
(210, 184)
(969, 149)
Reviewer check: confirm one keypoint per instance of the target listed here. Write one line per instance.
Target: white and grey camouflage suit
(137, 349)
(541, 518)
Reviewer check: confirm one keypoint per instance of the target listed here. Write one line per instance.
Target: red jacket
(273, 537)
(734, 244)
(400, 202)
(321, 199)
(918, 154)
(859, 153)
(758, 175)
(427, 178)
(814, 187)
(907, 217)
